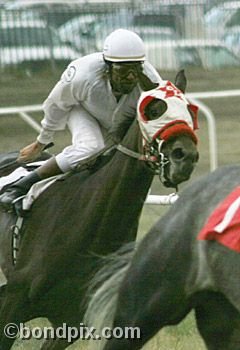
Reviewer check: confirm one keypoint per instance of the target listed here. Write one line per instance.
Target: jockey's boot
(22, 186)
(18, 189)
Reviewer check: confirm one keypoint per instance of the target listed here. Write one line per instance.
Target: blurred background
(202, 33)
(39, 38)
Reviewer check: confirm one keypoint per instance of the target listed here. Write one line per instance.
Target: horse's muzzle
(176, 178)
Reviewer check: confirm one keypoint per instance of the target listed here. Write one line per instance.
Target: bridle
(153, 156)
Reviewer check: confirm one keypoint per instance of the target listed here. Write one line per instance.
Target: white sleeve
(68, 92)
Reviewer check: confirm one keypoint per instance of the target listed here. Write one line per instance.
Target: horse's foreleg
(11, 314)
(218, 322)
(2, 293)
(145, 316)
(66, 339)
(123, 344)
(13, 310)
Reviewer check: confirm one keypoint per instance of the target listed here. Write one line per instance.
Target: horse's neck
(125, 183)
(132, 171)
(132, 139)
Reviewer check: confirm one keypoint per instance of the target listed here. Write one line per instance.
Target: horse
(173, 270)
(78, 219)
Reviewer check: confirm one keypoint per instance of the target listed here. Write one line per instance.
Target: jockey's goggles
(124, 69)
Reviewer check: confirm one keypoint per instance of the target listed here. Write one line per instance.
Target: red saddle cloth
(223, 225)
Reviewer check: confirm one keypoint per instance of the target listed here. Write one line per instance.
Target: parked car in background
(173, 55)
(231, 38)
(157, 15)
(31, 42)
(53, 12)
(87, 32)
(221, 17)
(156, 34)
(81, 32)
(57, 12)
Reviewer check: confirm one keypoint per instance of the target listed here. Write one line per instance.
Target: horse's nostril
(197, 158)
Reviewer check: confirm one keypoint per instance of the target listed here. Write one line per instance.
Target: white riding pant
(87, 139)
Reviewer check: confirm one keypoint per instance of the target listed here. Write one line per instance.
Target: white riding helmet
(123, 45)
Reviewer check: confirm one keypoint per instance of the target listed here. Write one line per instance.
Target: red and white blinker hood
(176, 120)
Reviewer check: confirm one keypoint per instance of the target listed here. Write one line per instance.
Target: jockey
(94, 93)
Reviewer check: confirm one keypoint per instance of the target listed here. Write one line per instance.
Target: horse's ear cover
(179, 112)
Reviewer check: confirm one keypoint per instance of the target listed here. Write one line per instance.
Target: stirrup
(17, 205)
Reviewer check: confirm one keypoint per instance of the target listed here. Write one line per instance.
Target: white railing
(23, 112)
(161, 200)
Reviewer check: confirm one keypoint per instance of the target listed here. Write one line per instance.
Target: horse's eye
(155, 109)
(178, 153)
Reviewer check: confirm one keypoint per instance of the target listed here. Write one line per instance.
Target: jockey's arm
(57, 107)
(56, 110)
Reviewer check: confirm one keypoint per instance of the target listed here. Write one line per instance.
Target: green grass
(18, 89)
(182, 337)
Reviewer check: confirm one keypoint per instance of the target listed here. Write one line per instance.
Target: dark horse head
(167, 122)
(181, 155)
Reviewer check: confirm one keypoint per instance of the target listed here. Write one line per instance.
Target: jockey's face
(124, 76)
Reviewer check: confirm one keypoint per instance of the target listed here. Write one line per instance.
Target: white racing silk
(177, 113)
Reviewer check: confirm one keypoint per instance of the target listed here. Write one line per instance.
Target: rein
(139, 156)
(154, 158)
